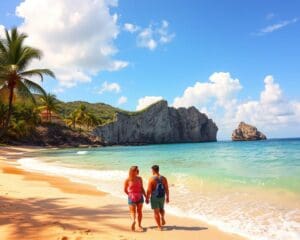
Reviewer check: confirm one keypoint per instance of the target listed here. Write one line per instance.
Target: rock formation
(158, 124)
(246, 132)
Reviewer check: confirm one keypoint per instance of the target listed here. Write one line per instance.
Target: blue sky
(154, 49)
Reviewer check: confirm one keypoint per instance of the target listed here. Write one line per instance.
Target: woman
(133, 187)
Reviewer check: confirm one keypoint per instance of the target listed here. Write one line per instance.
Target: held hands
(147, 200)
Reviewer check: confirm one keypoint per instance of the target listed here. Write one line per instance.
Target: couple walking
(157, 193)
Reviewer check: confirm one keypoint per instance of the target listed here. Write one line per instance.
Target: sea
(248, 188)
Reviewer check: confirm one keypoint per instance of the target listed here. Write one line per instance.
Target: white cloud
(272, 110)
(277, 26)
(77, 37)
(2, 29)
(122, 100)
(272, 113)
(154, 35)
(110, 87)
(272, 92)
(147, 101)
(221, 87)
(129, 27)
(164, 35)
(145, 39)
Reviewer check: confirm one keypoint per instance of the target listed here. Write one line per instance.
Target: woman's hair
(132, 172)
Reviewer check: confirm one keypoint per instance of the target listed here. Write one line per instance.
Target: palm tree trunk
(9, 112)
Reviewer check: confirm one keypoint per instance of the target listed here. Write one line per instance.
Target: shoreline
(68, 210)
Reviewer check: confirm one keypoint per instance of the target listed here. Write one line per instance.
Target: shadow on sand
(21, 214)
(180, 228)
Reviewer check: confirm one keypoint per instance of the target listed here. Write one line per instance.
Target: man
(159, 191)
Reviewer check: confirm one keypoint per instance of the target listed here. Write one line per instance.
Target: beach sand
(37, 206)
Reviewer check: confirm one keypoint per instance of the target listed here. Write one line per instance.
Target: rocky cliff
(246, 132)
(158, 124)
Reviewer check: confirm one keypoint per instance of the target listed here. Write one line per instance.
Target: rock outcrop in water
(158, 124)
(246, 132)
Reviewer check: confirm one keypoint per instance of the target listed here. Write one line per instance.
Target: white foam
(106, 180)
(82, 152)
(234, 213)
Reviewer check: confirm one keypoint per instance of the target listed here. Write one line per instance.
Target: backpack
(159, 191)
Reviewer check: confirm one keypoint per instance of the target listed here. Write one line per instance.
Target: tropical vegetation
(15, 77)
(50, 104)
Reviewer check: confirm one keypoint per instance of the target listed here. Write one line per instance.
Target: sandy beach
(36, 206)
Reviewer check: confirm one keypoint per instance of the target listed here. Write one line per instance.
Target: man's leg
(140, 214)
(162, 214)
(132, 209)
(157, 217)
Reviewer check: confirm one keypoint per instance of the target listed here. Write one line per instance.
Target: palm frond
(15, 45)
(3, 47)
(3, 52)
(39, 72)
(24, 91)
(26, 55)
(7, 35)
(33, 86)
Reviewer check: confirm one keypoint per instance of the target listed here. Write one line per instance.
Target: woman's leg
(140, 214)
(132, 209)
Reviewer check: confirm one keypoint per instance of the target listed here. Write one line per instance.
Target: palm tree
(71, 120)
(14, 76)
(50, 104)
(24, 119)
(81, 115)
(91, 121)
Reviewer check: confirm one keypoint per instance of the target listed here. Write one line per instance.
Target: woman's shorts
(133, 203)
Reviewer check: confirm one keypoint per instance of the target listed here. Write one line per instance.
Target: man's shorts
(157, 202)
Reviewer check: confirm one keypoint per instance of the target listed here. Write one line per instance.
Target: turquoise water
(250, 188)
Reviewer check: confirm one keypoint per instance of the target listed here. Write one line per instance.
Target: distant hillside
(104, 112)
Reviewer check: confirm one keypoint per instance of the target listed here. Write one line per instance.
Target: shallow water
(250, 188)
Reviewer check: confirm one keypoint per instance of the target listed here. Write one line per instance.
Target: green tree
(3, 111)
(82, 118)
(23, 120)
(81, 115)
(50, 104)
(91, 121)
(71, 120)
(14, 75)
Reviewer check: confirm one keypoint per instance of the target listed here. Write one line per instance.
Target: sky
(233, 60)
